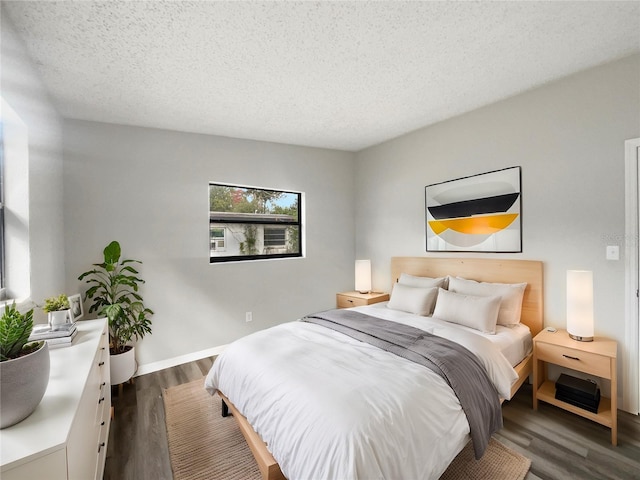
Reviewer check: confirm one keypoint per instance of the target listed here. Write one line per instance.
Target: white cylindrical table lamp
(580, 305)
(363, 276)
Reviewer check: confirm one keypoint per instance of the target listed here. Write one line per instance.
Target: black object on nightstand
(579, 392)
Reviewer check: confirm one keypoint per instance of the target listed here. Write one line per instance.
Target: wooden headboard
(484, 270)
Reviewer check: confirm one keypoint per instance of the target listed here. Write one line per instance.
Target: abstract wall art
(479, 213)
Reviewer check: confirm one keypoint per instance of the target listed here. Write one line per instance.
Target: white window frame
(2, 226)
(17, 259)
(215, 241)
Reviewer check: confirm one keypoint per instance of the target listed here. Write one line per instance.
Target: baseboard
(172, 362)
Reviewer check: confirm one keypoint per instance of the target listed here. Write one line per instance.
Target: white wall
(148, 189)
(24, 92)
(568, 137)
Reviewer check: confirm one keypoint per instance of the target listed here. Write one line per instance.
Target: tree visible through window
(253, 223)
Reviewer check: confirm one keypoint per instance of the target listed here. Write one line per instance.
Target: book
(62, 341)
(45, 332)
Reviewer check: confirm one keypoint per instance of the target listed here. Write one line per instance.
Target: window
(275, 237)
(247, 223)
(2, 287)
(14, 151)
(217, 239)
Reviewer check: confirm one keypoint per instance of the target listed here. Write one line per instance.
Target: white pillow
(424, 282)
(471, 311)
(413, 299)
(510, 293)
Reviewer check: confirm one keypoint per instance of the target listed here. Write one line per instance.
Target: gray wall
(568, 137)
(24, 92)
(148, 189)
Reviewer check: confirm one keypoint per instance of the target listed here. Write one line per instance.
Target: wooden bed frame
(480, 269)
(488, 270)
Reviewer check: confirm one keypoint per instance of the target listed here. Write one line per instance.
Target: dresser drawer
(103, 403)
(102, 450)
(356, 299)
(344, 301)
(586, 362)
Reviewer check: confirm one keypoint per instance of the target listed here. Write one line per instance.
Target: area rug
(205, 446)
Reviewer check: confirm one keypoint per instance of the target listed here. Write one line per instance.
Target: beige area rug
(205, 446)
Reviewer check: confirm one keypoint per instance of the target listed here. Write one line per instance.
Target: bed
(382, 416)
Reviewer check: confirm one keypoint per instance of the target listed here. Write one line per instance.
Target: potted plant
(24, 367)
(114, 285)
(57, 309)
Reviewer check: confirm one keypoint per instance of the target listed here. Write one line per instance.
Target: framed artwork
(480, 213)
(76, 309)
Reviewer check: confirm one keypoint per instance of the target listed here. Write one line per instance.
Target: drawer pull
(569, 356)
(101, 364)
(103, 384)
(101, 400)
(102, 424)
(100, 446)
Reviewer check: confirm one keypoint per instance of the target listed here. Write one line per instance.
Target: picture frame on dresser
(76, 308)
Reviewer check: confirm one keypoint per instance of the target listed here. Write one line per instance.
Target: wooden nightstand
(357, 299)
(597, 358)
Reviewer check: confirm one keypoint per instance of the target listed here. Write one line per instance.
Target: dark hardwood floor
(137, 448)
(561, 445)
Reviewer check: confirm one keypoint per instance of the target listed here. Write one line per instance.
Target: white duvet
(331, 407)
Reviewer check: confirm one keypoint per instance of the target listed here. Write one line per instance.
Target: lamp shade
(580, 305)
(363, 276)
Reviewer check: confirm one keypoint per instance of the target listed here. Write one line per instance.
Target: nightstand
(357, 299)
(597, 358)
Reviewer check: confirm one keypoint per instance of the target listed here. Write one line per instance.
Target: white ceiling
(342, 75)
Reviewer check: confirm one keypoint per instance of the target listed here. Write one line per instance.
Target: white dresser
(65, 438)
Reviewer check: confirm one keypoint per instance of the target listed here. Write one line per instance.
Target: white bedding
(514, 341)
(331, 407)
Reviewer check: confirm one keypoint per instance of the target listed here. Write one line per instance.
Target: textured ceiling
(343, 75)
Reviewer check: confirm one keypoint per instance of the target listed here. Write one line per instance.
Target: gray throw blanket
(455, 364)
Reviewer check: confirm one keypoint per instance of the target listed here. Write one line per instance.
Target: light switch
(613, 252)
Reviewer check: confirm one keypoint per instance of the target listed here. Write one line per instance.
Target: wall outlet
(613, 252)
(248, 317)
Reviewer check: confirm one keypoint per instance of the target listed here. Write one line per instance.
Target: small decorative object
(114, 291)
(58, 310)
(363, 276)
(75, 307)
(62, 336)
(480, 213)
(580, 305)
(24, 367)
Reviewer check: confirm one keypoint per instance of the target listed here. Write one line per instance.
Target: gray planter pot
(23, 382)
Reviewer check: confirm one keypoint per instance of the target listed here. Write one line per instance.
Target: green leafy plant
(15, 329)
(56, 304)
(248, 247)
(114, 291)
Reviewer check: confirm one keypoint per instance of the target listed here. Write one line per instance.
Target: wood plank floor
(561, 445)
